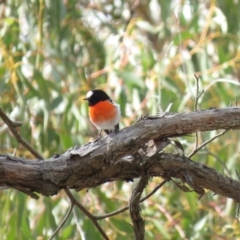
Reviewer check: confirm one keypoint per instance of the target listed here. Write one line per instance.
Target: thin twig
(153, 191)
(196, 105)
(24, 190)
(112, 213)
(12, 126)
(197, 148)
(198, 95)
(127, 207)
(64, 220)
(207, 142)
(86, 212)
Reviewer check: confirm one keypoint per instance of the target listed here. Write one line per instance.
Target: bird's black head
(95, 96)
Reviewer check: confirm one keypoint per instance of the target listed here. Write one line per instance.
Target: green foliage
(145, 56)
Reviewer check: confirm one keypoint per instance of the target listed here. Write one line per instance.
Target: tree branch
(137, 220)
(110, 159)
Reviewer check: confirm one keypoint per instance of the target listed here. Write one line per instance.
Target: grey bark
(125, 156)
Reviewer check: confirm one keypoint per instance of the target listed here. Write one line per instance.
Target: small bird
(103, 112)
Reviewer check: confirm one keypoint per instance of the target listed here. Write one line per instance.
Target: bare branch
(206, 143)
(153, 191)
(87, 213)
(63, 222)
(198, 95)
(137, 220)
(102, 161)
(103, 216)
(12, 126)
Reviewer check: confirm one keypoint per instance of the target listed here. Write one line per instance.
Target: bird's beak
(86, 99)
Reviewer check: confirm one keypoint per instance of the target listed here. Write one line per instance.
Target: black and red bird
(103, 112)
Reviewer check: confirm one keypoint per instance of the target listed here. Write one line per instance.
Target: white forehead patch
(89, 94)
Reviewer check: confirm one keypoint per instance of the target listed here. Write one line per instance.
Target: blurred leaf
(130, 79)
(42, 86)
(125, 228)
(66, 141)
(55, 103)
(183, 36)
(147, 60)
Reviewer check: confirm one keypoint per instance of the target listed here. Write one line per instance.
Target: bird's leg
(107, 131)
(100, 133)
(116, 128)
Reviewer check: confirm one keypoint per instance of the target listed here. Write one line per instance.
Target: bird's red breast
(103, 111)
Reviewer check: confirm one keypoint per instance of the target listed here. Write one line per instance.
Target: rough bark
(134, 208)
(117, 157)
